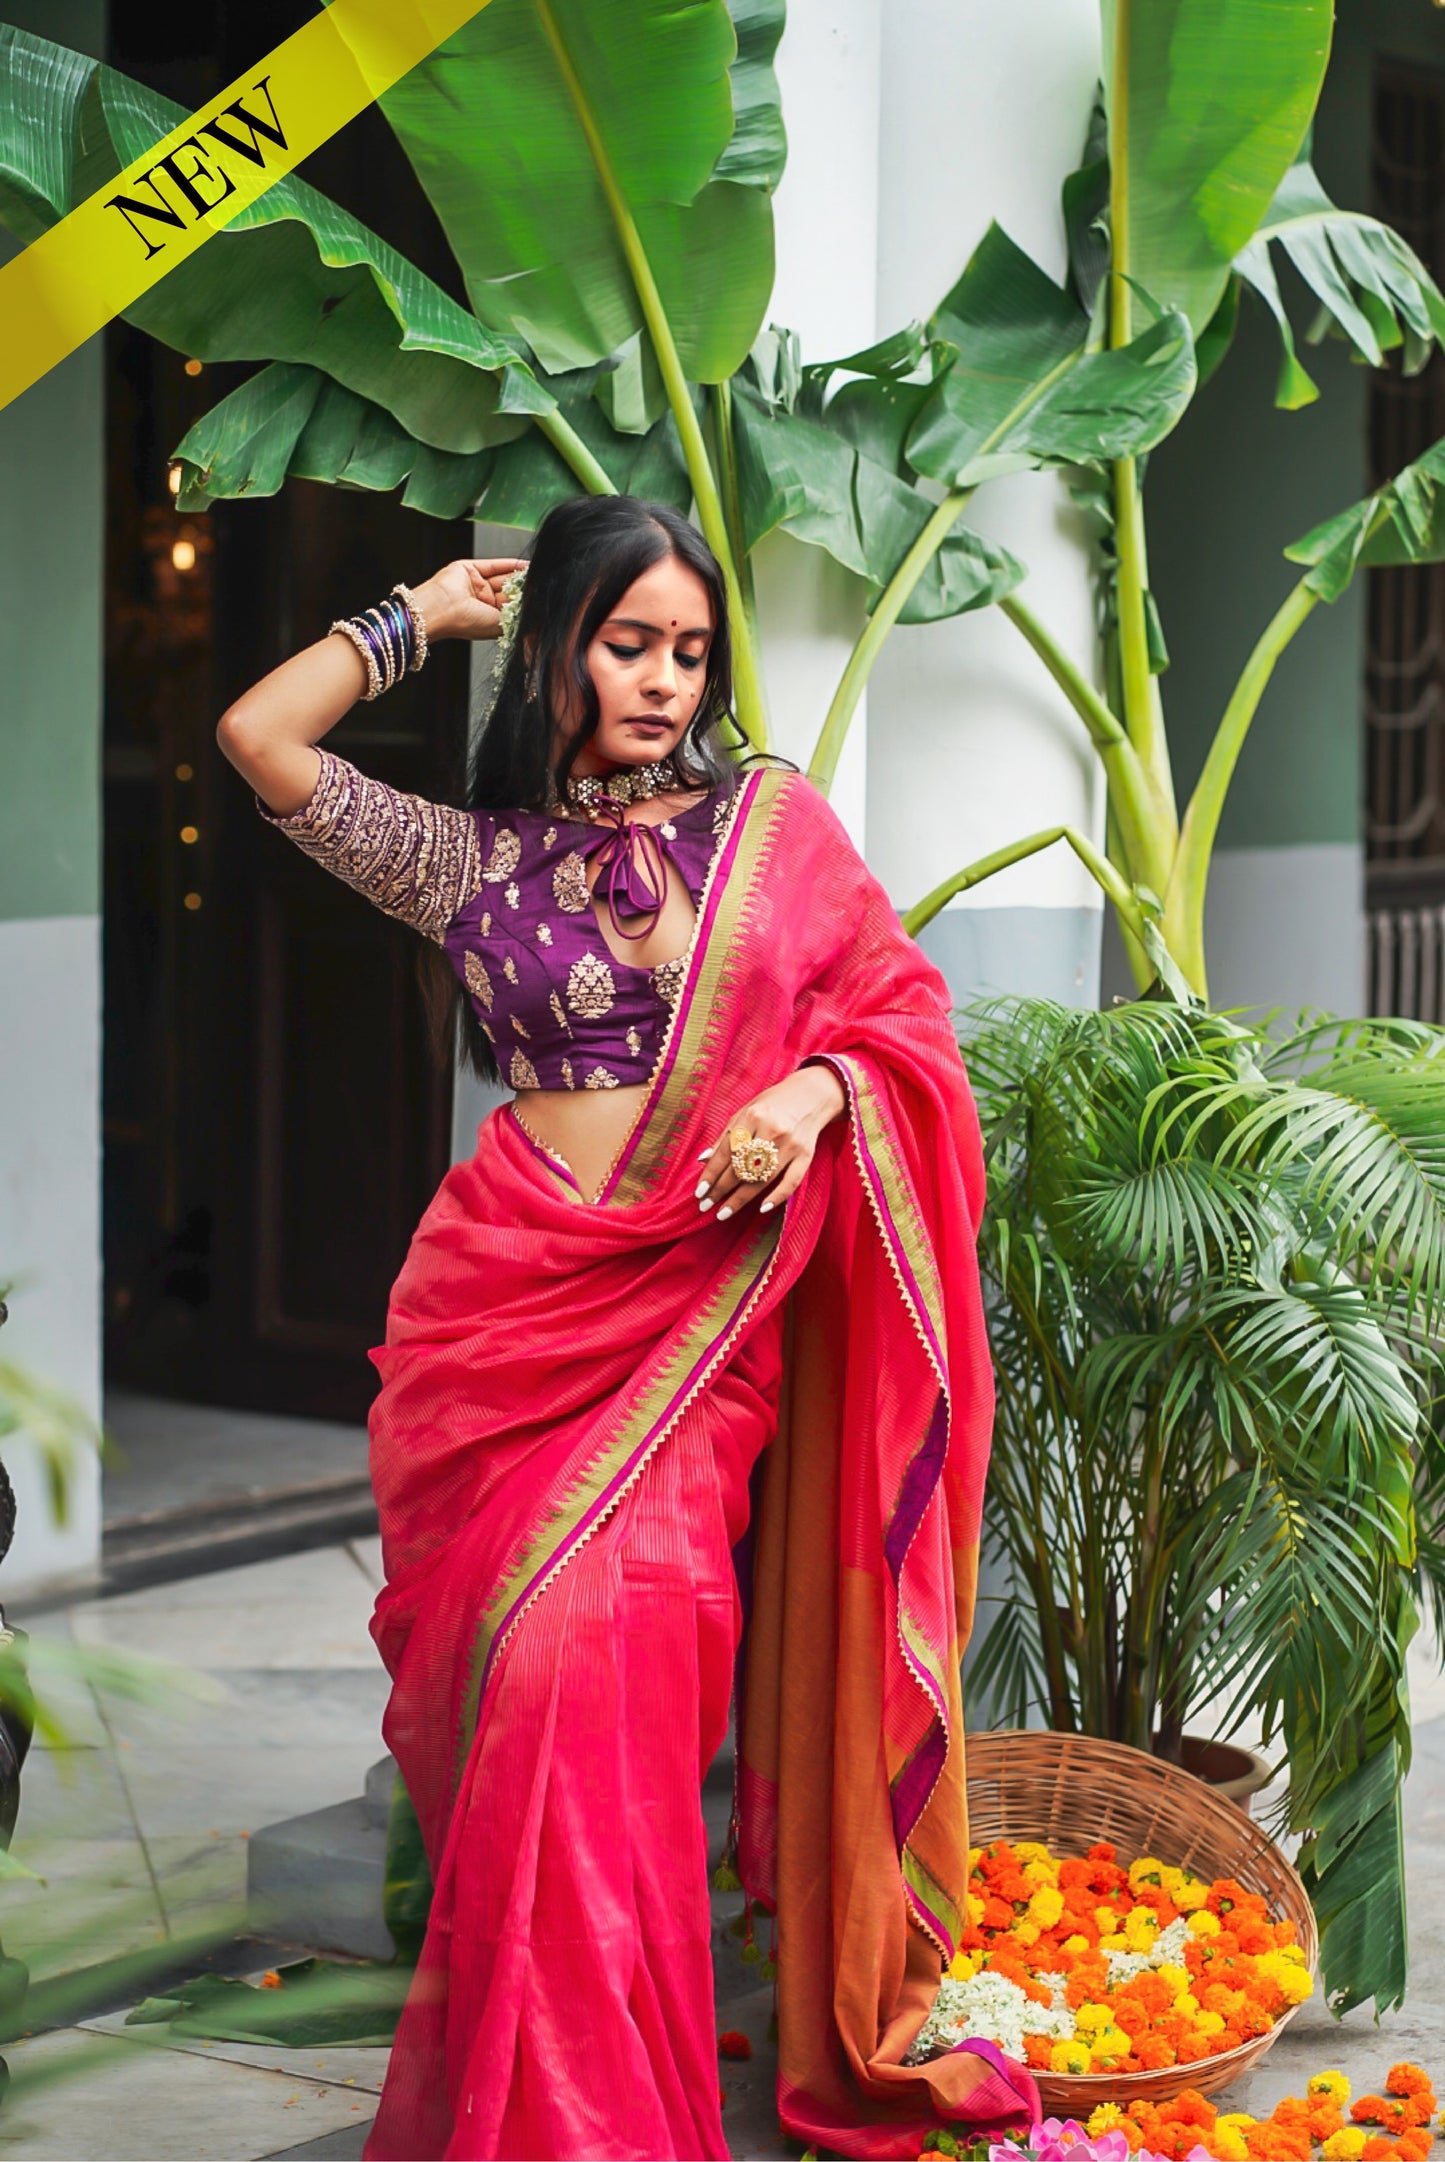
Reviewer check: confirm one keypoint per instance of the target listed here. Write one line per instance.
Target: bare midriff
(587, 1128)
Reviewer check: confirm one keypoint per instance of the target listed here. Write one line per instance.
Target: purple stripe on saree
(913, 1785)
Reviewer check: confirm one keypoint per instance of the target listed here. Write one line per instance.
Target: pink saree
(574, 1397)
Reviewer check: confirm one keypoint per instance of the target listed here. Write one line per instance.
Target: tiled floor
(139, 1823)
(176, 1456)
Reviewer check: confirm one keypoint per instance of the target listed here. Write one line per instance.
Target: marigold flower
(1227, 2146)
(1204, 1922)
(1377, 2150)
(1069, 2057)
(732, 2044)
(1408, 2079)
(1047, 1906)
(271, 1980)
(1414, 2144)
(1346, 2145)
(1371, 2109)
(1103, 2119)
(1334, 2084)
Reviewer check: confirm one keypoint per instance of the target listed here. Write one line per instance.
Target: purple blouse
(505, 895)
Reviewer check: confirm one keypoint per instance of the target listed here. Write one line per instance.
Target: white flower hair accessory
(506, 638)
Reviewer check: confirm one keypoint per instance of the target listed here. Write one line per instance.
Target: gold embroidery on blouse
(489, 1032)
(544, 933)
(509, 969)
(512, 896)
(567, 1073)
(720, 812)
(634, 1043)
(505, 855)
(549, 836)
(557, 1014)
(478, 981)
(486, 922)
(591, 991)
(569, 884)
(667, 978)
(522, 1073)
(415, 860)
(521, 1028)
(600, 1078)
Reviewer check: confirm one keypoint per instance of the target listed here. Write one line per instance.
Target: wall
(51, 537)
(971, 745)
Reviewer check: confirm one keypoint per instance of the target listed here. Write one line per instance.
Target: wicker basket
(1070, 1791)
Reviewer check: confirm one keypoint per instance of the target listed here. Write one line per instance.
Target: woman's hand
(791, 1114)
(464, 600)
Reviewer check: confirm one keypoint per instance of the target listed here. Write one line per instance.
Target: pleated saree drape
(576, 1399)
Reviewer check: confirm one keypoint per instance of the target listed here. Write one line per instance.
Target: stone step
(320, 1879)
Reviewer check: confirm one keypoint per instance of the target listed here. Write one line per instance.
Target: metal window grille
(1405, 607)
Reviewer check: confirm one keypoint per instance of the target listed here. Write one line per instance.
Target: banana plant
(1197, 179)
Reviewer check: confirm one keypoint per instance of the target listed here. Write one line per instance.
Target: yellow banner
(123, 239)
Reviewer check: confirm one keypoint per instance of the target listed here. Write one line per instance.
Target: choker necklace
(627, 784)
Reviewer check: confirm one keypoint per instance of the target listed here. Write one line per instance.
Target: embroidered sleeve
(416, 860)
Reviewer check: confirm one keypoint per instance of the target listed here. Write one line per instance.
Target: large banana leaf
(1366, 279)
(1208, 103)
(1403, 522)
(294, 277)
(824, 484)
(293, 422)
(1024, 391)
(541, 123)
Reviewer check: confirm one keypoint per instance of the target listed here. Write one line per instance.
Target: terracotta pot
(1231, 1770)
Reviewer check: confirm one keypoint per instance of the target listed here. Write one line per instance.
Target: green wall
(51, 571)
(1238, 480)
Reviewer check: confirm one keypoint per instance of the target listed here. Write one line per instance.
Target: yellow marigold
(1141, 1927)
(1186, 2004)
(1069, 2057)
(1295, 1985)
(1046, 1906)
(1031, 1850)
(1177, 1978)
(1295, 1954)
(1345, 2146)
(1074, 1945)
(1209, 2023)
(1227, 2146)
(1115, 1942)
(1025, 1932)
(975, 1857)
(1092, 2019)
(1105, 1919)
(1110, 2046)
(1147, 1870)
(1103, 2119)
(1333, 2084)
(973, 1908)
(1235, 2120)
(963, 1966)
(1190, 1893)
(1203, 1924)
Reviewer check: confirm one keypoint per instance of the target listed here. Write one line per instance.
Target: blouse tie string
(632, 860)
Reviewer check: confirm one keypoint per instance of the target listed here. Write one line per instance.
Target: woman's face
(648, 663)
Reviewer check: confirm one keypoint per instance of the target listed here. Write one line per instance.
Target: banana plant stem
(1143, 707)
(747, 680)
(1102, 871)
(832, 735)
(1130, 797)
(721, 399)
(1184, 896)
(568, 444)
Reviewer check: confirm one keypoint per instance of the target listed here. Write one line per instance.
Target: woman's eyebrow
(634, 623)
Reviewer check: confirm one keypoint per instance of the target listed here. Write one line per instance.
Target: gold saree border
(716, 964)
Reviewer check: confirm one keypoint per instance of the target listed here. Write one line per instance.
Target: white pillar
(971, 745)
(827, 224)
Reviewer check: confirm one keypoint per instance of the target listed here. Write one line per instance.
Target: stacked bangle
(391, 639)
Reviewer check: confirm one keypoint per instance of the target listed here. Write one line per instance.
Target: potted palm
(1217, 1260)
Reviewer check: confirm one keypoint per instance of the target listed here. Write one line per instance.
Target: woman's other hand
(791, 1114)
(464, 600)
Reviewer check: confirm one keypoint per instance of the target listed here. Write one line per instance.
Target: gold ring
(754, 1160)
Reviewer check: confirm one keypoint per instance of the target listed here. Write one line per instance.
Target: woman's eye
(624, 653)
(688, 660)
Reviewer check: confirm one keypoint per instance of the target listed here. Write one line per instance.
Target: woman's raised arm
(269, 733)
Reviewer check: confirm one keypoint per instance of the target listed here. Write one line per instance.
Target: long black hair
(585, 555)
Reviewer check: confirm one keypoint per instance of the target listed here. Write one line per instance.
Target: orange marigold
(1414, 2145)
(1377, 2150)
(1409, 2079)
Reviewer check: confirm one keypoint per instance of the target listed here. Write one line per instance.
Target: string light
(185, 773)
(193, 901)
(193, 367)
(183, 555)
(190, 835)
(173, 480)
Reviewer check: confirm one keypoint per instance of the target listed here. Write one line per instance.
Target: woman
(694, 1338)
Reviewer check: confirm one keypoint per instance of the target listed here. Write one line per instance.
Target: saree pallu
(626, 1456)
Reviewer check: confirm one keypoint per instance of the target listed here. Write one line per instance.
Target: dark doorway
(275, 1120)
